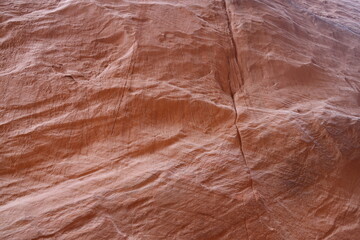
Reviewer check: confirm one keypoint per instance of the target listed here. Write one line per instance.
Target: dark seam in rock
(232, 94)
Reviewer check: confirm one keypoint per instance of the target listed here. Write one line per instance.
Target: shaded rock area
(180, 119)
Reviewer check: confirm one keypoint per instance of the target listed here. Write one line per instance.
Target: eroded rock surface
(180, 119)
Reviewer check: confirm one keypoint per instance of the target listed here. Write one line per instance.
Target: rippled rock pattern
(180, 119)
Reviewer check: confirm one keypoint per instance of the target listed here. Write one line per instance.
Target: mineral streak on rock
(180, 119)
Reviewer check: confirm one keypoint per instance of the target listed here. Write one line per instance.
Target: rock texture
(180, 119)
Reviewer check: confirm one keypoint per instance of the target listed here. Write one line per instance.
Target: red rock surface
(171, 119)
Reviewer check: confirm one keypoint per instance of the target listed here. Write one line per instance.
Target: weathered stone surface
(180, 119)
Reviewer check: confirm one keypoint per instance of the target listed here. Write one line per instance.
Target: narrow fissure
(238, 74)
(232, 93)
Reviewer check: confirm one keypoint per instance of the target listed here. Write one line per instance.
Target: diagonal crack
(235, 72)
(232, 92)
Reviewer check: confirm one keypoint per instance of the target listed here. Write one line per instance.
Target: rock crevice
(234, 79)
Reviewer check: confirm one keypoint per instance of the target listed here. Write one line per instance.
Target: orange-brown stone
(180, 119)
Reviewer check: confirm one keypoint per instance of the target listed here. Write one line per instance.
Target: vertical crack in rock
(238, 74)
(232, 92)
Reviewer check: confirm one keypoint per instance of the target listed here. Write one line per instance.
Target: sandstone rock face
(180, 119)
